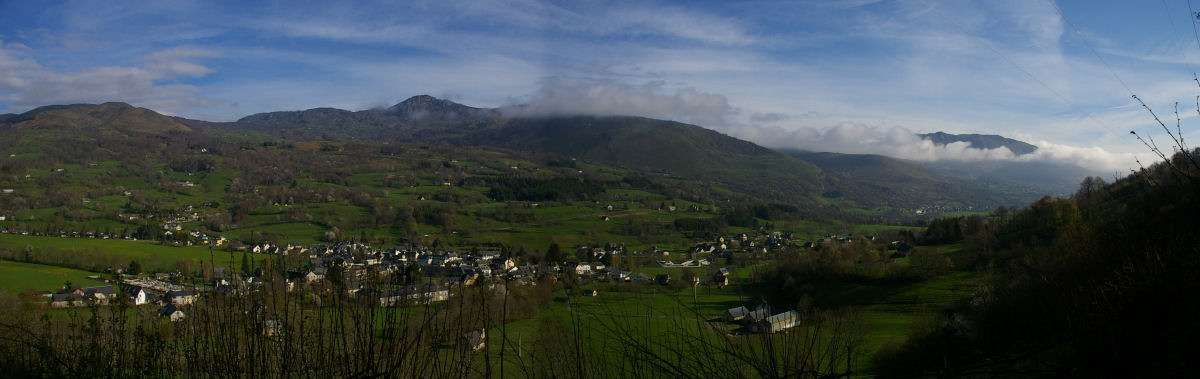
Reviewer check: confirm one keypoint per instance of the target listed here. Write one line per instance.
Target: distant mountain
(875, 180)
(731, 166)
(416, 118)
(698, 159)
(425, 107)
(87, 118)
(1036, 179)
(661, 146)
(981, 141)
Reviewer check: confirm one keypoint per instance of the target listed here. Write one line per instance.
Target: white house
(136, 294)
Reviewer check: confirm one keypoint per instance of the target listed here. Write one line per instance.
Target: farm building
(777, 323)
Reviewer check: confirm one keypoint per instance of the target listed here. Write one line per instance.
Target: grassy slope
(891, 311)
(664, 146)
(18, 276)
(148, 253)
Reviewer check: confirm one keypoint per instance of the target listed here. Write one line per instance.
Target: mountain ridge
(117, 116)
(981, 141)
(731, 166)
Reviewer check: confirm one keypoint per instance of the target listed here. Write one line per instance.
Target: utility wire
(1169, 19)
(1195, 32)
(1089, 45)
(1018, 67)
(1175, 32)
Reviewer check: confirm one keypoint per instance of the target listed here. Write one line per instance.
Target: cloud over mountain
(901, 142)
(601, 97)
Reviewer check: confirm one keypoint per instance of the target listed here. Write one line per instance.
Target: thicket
(1099, 284)
(320, 331)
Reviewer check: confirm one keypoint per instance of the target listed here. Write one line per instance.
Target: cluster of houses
(65, 233)
(173, 299)
(938, 209)
(761, 320)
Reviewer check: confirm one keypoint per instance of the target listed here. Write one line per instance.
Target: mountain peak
(981, 141)
(425, 106)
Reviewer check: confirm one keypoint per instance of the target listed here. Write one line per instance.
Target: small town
(428, 276)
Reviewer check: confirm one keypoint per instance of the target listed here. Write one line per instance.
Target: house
(592, 293)
(735, 314)
(579, 268)
(181, 297)
(314, 275)
(620, 275)
(100, 294)
(662, 279)
(640, 278)
(272, 328)
(136, 294)
(721, 280)
(414, 294)
(757, 315)
(777, 323)
(64, 300)
(476, 339)
(171, 311)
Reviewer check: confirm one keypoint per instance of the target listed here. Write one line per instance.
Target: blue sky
(850, 76)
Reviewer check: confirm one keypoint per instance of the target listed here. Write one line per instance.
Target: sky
(853, 76)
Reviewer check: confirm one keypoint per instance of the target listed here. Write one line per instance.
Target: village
(418, 275)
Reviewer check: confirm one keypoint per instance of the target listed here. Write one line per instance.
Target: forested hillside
(1098, 284)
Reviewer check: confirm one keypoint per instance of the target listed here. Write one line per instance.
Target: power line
(1175, 33)
(1089, 46)
(1195, 32)
(1169, 19)
(1022, 69)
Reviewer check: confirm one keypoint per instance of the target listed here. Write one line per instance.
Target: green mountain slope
(729, 166)
(665, 147)
(874, 180)
(117, 118)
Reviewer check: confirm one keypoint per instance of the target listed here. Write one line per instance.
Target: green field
(16, 277)
(890, 310)
(150, 254)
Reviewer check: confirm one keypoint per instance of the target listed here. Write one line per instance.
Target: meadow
(16, 277)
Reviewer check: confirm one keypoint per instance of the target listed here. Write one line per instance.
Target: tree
(614, 259)
(554, 253)
(245, 263)
(928, 262)
(134, 268)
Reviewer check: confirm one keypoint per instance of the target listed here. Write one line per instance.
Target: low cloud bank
(900, 142)
(576, 96)
(603, 97)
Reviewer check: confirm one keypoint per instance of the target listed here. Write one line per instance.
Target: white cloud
(571, 96)
(25, 84)
(901, 142)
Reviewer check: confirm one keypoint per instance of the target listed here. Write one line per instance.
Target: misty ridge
(598, 97)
